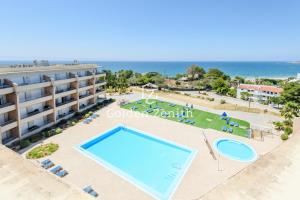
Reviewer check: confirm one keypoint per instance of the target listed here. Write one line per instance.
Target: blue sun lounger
(231, 123)
(56, 169)
(44, 162)
(62, 173)
(236, 124)
(187, 121)
(48, 165)
(90, 191)
(180, 119)
(230, 130)
(224, 128)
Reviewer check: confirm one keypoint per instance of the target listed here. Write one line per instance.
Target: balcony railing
(84, 95)
(33, 98)
(82, 106)
(99, 90)
(7, 122)
(36, 111)
(4, 86)
(61, 91)
(100, 81)
(65, 102)
(35, 82)
(6, 104)
(85, 74)
(9, 139)
(65, 114)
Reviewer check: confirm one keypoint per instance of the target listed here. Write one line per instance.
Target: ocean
(232, 68)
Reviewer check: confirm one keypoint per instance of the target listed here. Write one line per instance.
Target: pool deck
(202, 176)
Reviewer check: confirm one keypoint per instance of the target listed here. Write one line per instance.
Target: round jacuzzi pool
(235, 150)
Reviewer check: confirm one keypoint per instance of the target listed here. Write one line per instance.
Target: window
(30, 124)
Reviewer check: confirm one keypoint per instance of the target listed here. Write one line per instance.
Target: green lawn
(201, 118)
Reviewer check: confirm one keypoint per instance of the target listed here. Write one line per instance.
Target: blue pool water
(154, 165)
(235, 150)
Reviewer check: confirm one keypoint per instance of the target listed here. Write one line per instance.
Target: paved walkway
(21, 180)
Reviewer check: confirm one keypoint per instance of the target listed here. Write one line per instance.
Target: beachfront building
(33, 97)
(259, 92)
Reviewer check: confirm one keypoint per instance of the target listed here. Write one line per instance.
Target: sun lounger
(90, 191)
(48, 165)
(44, 162)
(236, 124)
(180, 119)
(56, 169)
(94, 116)
(187, 121)
(192, 122)
(224, 128)
(230, 130)
(231, 123)
(62, 173)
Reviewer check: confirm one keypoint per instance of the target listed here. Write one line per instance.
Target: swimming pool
(235, 150)
(154, 165)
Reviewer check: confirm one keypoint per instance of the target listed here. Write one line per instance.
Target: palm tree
(290, 110)
(278, 126)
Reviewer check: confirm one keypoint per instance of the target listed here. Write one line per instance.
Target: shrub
(73, 123)
(24, 143)
(90, 113)
(58, 130)
(288, 130)
(222, 101)
(42, 151)
(36, 137)
(288, 122)
(86, 115)
(284, 136)
(210, 99)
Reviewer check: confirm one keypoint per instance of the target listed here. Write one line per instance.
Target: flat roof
(16, 69)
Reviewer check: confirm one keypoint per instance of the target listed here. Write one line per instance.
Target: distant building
(259, 92)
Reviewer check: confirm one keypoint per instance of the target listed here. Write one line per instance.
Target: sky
(152, 30)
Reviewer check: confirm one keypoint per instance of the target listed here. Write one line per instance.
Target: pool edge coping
(237, 141)
(143, 187)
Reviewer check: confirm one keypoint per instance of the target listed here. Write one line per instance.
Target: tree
(195, 70)
(221, 86)
(245, 96)
(291, 92)
(290, 110)
(214, 73)
(276, 100)
(239, 79)
(232, 92)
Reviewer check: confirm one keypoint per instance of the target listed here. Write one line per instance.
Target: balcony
(85, 87)
(7, 107)
(98, 91)
(36, 114)
(36, 129)
(63, 81)
(83, 106)
(65, 115)
(85, 76)
(66, 103)
(36, 100)
(32, 85)
(100, 74)
(6, 89)
(8, 125)
(10, 140)
(100, 83)
(84, 95)
(62, 93)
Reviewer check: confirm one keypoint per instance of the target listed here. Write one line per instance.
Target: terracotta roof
(266, 88)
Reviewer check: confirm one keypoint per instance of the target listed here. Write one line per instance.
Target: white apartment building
(33, 98)
(259, 92)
